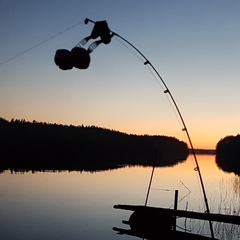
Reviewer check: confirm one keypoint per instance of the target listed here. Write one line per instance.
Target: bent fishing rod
(102, 30)
(167, 91)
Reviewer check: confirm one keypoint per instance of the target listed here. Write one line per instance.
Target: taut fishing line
(155, 78)
(169, 100)
(126, 46)
(40, 43)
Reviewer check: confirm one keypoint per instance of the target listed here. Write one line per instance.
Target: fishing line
(163, 189)
(185, 186)
(126, 46)
(155, 78)
(169, 100)
(189, 192)
(40, 43)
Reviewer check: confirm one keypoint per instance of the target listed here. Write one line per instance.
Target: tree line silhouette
(228, 154)
(41, 146)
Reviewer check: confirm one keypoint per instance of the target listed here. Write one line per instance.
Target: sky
(194, 45)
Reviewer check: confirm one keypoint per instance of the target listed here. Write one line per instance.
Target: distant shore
(37, 145)
(203, 151)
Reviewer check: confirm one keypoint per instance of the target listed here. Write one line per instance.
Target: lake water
(79, 205)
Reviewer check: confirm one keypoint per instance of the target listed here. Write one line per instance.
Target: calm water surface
(79, 205)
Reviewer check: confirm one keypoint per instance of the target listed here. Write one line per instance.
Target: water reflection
(90, 165)
(79, 205)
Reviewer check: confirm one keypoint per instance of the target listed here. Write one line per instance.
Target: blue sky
(194, 45)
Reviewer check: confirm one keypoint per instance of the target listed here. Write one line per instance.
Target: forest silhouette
(228, 154)
(41, 146)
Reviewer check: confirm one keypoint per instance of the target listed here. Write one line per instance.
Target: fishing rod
(167, 91)
(80, 58)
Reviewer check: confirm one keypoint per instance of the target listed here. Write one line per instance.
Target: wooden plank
(187, 214)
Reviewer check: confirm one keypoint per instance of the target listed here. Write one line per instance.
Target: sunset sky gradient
(195, 46)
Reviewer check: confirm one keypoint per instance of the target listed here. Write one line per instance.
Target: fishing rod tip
(87, 20)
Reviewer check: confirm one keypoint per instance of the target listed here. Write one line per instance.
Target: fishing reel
(79, 57)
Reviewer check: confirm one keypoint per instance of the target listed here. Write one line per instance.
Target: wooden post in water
(175, 208)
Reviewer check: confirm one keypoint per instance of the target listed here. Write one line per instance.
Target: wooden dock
(232, 219)
(157, 223)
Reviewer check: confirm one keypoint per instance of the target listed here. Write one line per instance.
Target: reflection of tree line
(228, 154)
(43, 146)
